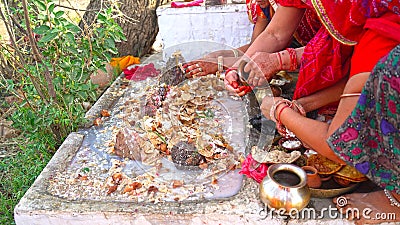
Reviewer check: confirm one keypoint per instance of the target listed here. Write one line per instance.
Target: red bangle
(293, 58)
(230, 69)
(280, 60)
(280, 112)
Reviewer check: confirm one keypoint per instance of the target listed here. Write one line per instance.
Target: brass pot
(285, 187)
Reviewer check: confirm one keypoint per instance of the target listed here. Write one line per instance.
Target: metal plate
(336, 190)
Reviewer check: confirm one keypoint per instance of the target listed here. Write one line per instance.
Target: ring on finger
(256, 78)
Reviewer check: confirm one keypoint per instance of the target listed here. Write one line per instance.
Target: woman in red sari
(260, 14)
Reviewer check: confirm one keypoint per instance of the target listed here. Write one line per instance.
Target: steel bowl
(285, 187)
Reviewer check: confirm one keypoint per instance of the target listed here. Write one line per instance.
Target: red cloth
(381, 36)
(310, 23)
(253, 169)
(138, 73)
(324, 62)
(326, 58)
(308, 27)
(186, 4)
(254, 10)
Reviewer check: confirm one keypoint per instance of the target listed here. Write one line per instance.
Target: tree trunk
(140, 33)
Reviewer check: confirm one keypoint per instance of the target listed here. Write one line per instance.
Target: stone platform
(41, 206)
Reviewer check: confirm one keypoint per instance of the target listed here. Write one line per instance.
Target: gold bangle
(220, 63)
(350, 95)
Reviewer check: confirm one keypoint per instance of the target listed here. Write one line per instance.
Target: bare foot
(367, 208)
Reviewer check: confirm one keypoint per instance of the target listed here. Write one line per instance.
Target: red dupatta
(326, 58)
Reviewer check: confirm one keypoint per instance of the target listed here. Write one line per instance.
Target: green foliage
(51, 84)
(67, 57)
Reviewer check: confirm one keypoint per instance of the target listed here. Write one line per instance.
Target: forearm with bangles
(311, 132)
(289, 59)
(295, 105)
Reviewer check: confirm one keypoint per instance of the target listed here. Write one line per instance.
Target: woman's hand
(200, 68)
(266, 105)
(233, 84)
(262, 67)
(231, 81)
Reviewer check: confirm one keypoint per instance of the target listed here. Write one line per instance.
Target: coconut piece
(129, 144)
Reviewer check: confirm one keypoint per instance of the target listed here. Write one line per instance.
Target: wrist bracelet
(293, 59)
(220, 63)
(350, 95)
(299, 108)
(280, 112)
(280, 60)
(275, 105)
(231, 69)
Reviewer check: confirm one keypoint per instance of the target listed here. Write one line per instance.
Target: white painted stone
(217, 27)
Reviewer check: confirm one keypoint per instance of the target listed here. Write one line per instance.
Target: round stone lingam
(185, 156)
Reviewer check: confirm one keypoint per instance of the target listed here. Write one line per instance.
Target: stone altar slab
(42, 206)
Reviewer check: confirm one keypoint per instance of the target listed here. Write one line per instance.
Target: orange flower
(122, 63)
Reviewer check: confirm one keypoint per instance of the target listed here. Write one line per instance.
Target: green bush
(54, 81)
(50, 75)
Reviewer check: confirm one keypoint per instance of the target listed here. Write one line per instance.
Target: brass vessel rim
(291, 168)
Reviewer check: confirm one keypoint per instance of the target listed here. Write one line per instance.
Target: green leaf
(41, 29)
(73, 28)
(85, 170)
(43, 17)
(83, 95)
(49, 36)
(101, 18)
(69, 99)
(85, 87)
(110, 43)
(59, 14)
(70, 37)
(51, 7)
(40, 5)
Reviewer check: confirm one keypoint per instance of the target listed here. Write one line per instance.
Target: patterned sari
(369, 139)
(254, 11)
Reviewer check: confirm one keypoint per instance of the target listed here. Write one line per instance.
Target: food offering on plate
(345, 176)
(324, 165)
(282, 80)
(274, 155)
(348, 175)
(186, 120)
(290, 143)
